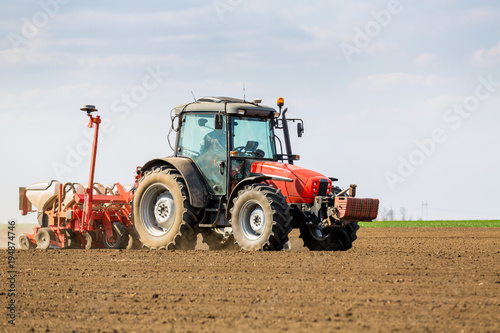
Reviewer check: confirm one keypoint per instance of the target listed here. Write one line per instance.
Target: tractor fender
(197, 189)
(239, 186)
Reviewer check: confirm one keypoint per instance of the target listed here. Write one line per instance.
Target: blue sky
(382, 117)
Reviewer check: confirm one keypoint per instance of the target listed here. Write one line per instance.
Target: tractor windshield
(252, 137)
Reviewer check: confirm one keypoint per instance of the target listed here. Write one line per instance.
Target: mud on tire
(218, 240)
(163, 216)
(43, 238)
(260, 218)
(25, 243)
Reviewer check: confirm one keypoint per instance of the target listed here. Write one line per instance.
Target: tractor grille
(323, 187)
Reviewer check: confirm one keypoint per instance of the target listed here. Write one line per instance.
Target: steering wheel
(258, 152)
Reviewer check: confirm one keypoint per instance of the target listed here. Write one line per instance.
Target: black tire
(133, 240)
(338, 239)
(218, 240)
(120, 237)
(260, 218)
(71, 240)
(43, 238)
(43, 219)
(25, 243)
(163, 216)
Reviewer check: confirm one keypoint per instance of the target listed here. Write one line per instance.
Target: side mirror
(300, 129)
(218, 124)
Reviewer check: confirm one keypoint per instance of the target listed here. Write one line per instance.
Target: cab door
(207, 146)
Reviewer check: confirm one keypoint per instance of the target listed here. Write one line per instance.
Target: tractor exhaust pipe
(286, 133)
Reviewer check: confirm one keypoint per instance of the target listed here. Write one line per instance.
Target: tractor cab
(224, 137)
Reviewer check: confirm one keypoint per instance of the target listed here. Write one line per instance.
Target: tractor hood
(305, 185)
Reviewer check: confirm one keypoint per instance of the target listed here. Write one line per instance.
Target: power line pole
(425, 209)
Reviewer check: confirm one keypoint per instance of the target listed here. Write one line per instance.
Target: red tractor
(228, 181)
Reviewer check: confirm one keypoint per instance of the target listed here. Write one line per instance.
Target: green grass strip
(433, 224)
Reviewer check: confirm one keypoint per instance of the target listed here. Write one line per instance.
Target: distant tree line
(389, 214)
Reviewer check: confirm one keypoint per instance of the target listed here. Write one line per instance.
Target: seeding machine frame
(89, 220)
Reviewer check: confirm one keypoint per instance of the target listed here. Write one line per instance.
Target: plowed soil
(393, 280)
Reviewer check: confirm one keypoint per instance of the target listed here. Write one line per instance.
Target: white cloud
(487, 57)
(385, 82)
(434, 108)
(426, 59)
(478, 15)
(93, 52)
(33, 100)
(82, 19)
(53, 54)
(29, 53)
(367, 113)
(383, 49)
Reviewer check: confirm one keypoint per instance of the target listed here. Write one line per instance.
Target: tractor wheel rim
(164, 209)
(157, 210)
(318, 234)
(252, 220)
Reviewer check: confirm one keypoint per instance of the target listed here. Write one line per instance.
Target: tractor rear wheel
(43, 238)
(163, 216)
(338, 239)
(260, 218)
(120, 237)
(25, 243)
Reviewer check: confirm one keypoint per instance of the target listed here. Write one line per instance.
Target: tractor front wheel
(338, 239)
(163, 216)
(260, 218)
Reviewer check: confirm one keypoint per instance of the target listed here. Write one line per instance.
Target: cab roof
(226, 105)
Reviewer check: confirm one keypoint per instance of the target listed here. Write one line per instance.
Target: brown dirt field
(393, 280)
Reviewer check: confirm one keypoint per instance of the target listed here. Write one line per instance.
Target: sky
(401, 98)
